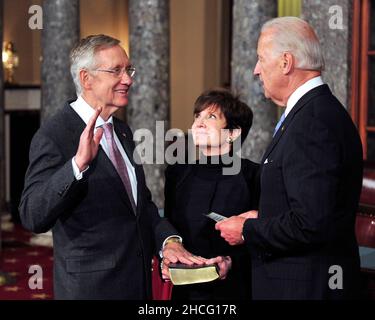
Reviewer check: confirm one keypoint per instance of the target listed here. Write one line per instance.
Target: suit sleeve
(252, 177)
(49, 185)
(165, 228)
(310, 169)
(161, 227)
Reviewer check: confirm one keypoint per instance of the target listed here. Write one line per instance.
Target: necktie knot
(108, 131)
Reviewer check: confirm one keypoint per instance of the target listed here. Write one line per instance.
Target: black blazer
(311, 179)
(193, 190)
(102, 249)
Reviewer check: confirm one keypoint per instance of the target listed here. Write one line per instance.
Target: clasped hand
(231, 228)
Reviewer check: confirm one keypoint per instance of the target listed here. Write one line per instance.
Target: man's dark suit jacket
(311, 179)
(102, 249)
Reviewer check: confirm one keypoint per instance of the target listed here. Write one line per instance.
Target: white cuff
(78, 175)
(165, 241)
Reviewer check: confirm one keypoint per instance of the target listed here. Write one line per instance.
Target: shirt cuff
(178, 239)
(78, 175)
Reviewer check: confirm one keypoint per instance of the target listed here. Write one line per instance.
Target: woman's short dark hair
(238, 114)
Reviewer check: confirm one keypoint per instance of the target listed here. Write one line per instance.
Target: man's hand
(252, 214)
(231, 229)
(224, 263)
(174, 252)
(88, 143)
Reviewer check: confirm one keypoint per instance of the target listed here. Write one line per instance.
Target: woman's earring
(230, 140)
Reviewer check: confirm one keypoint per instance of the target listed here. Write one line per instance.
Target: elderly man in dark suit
(303, 241)
(88, 188)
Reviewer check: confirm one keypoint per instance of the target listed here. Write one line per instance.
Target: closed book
(181, 274)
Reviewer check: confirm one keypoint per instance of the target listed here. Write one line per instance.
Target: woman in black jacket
(219, 181)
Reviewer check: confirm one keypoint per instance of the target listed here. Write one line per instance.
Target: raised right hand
(88, 143)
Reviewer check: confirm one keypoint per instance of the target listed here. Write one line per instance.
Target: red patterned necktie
(118, 161)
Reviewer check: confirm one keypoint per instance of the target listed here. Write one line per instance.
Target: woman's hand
(224, 263)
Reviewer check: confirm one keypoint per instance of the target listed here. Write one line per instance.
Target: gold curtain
(289, 8)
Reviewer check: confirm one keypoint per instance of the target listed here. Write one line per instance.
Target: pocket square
(265, 161)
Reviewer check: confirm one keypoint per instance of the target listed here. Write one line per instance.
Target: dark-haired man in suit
(303, 242)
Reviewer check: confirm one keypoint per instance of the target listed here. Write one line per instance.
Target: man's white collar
(85, 111)
(301, 91)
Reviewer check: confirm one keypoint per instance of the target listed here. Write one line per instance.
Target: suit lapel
(323, 89)
(115, 181)
(124, 139)
(74, 123)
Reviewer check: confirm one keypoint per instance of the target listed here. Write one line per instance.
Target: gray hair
(296, 36)
(83, 55)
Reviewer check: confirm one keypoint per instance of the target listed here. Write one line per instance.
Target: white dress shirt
(301, 91)
(84, 110)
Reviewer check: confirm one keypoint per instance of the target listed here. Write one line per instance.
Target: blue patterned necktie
(282, 118)
(118, 161)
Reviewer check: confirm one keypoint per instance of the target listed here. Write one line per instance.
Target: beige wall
(26, 41)
(105, 16)
(195, 55)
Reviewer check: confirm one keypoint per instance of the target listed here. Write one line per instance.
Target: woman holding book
(218, 181)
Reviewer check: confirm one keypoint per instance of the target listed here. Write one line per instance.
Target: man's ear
(85, 79)
(287, 62)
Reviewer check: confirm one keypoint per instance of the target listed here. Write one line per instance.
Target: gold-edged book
(181, 274)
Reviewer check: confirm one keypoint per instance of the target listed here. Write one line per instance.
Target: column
(60, 33)
(331, 20)
(149, 97)
(248, 17)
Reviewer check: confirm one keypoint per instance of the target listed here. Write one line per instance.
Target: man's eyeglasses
(119, 72)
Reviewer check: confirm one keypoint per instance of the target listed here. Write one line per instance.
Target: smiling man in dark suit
(303, 241)
(88, 188)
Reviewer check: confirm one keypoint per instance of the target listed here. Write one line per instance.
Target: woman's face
(209, 133)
